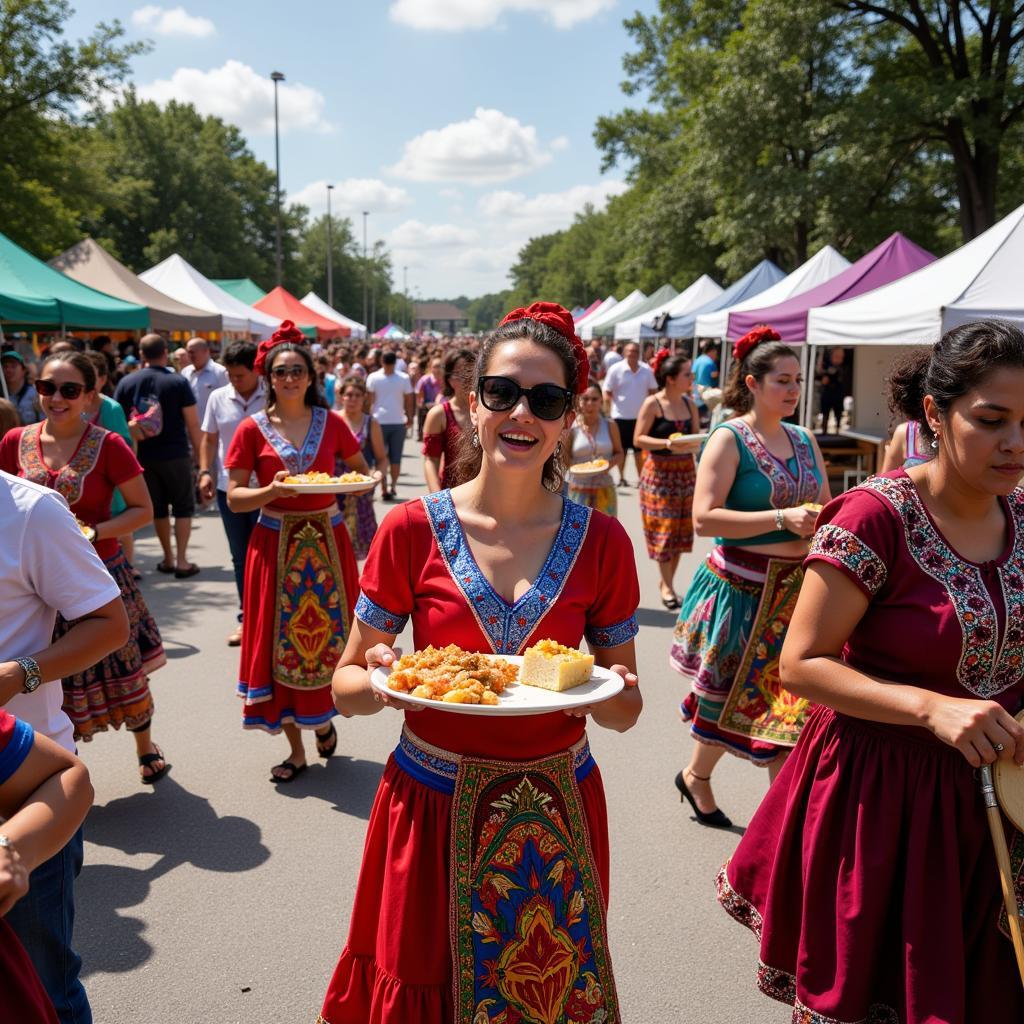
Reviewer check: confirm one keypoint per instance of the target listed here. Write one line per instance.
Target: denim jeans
(238, 526)
(44, 919)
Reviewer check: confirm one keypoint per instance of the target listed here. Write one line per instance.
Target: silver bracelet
(780, 520)
(5, 842)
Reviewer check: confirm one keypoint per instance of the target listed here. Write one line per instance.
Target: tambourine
(1009, 784)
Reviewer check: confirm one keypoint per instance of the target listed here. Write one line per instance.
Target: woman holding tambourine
(868, 872)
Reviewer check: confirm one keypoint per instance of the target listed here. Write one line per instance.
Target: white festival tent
(821, 267)
(315, 303)
(179, 279)
(700, 293)
(612, 314)
(596, 313)
(980, 279)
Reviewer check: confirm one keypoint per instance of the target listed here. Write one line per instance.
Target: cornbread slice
(553, 666)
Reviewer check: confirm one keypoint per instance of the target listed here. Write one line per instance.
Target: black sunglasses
(294, 372)
(69, 390)
(547, 401)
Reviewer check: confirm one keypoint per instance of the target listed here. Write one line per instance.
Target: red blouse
(936, 620)
(260, 448)
(420, 565)
(101, 462)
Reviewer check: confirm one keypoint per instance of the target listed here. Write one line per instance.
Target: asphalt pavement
(218, 897)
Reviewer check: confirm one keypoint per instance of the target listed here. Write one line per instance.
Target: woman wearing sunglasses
(493, 565)
(86, 463)
(301, 579)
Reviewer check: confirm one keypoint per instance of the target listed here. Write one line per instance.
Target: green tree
(346, 264)
(486, 310)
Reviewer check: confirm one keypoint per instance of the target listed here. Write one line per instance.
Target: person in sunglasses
(86, 464)
(301, 579)
(494, 565)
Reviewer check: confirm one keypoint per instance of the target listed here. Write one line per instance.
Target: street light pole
(330, 254)
(276, 77)
(366, 321)
(405, 293)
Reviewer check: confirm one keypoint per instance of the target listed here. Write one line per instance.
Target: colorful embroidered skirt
(301, 583)
(666, 504)
(503, 866)
(727, 643)
(360, 521)
(868, 876)
(596, 492)
(116, 690)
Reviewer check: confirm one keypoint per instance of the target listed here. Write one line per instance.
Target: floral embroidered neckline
(295, 460)
(69, 480)
(788, 489)
(506, 626)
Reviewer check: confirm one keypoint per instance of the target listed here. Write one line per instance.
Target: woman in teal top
(760, 483)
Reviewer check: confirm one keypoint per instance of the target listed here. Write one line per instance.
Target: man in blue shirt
(705, 375)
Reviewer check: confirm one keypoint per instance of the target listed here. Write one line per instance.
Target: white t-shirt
(224, 411)
(46, 566)
(389, 391)
(611, 357)
(629, 389)
(204, 382)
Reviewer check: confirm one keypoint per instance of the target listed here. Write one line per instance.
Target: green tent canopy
(31, 293)
(245, 289)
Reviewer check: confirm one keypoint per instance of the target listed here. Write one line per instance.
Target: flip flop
(295, 770)
(147, 759)
(327, 745)
(163, 567)
(183, 574)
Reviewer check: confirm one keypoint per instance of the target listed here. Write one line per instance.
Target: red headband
(752, 339)
(558, 318)
(286, 332)
(659, 357)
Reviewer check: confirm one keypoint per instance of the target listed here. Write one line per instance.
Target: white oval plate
(589, 472)
(691, 437)
(333, 488)
(518, 699)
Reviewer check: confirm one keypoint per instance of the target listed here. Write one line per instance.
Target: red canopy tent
(283, 304)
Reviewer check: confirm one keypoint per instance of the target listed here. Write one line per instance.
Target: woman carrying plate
(758, 480)
(493, 565)
(301, 579)
(666, 480)
(86, 464)
(360, 517)
(868, 872)
(448, 421)
(594, 436)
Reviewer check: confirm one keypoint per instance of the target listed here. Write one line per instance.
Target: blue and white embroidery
(378, 617)
(295, 461)
(507, 627)
(612, 636)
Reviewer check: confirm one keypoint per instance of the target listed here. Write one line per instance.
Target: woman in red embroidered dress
(447, 421)
(301, 578)
(86, 463)
(494, 565)
(868, 872)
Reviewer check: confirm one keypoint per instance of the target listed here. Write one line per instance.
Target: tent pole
(3, 379)
(811, 358)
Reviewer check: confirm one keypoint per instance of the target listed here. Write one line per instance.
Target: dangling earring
(558, 450)
(476, 439)
(935, 442)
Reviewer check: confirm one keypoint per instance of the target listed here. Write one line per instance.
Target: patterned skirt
(596, 492)
(666, 505)
(360, 520)
(116, 690)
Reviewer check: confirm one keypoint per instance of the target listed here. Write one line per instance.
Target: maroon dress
(868, 872)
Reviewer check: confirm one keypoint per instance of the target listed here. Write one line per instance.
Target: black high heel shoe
(716, 819)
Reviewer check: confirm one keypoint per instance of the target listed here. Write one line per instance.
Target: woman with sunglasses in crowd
(449, 421)
(668, 474)
(757, 484)
(494, 565)
(360, 517)
(594, 436)
(86, 464)
(301, 579)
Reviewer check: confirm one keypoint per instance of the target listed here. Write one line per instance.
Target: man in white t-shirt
(46, 566)
(626, 385)
(391, 405)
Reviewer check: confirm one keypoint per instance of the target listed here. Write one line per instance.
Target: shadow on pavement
(348, 783)
(655, 617)
(178, 826)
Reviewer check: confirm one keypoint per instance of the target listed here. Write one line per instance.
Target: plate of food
(547, 677)
(324, 483)
(89, 532)
(592, 468)
(688, 437)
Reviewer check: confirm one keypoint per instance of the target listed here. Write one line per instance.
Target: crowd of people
(867, 649)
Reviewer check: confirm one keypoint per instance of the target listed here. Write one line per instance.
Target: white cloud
(236, 93)
(459, 15)
(414, 234)
(560, 143)
(353, 195)
(172, 21)
(547, 211)
(489, 148)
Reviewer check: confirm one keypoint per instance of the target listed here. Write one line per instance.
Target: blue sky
(463, 126)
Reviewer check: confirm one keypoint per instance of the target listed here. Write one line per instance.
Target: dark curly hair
(758, 362)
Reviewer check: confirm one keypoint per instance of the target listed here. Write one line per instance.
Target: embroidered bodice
(295, 460)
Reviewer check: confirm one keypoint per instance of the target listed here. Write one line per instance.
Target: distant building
(439, 316)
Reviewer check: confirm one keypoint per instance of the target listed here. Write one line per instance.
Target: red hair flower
(659, 357)
(558, 318)
(753, 338)
(286, 332)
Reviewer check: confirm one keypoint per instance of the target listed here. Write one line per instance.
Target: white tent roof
(980, 279)
(702, 291)
(318, 305)
(612, 314)
(821, 267)
(179, 279)
(599, 312)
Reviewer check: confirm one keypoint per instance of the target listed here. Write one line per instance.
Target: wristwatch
(780, 520)
(5, 842)
(32, 675)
